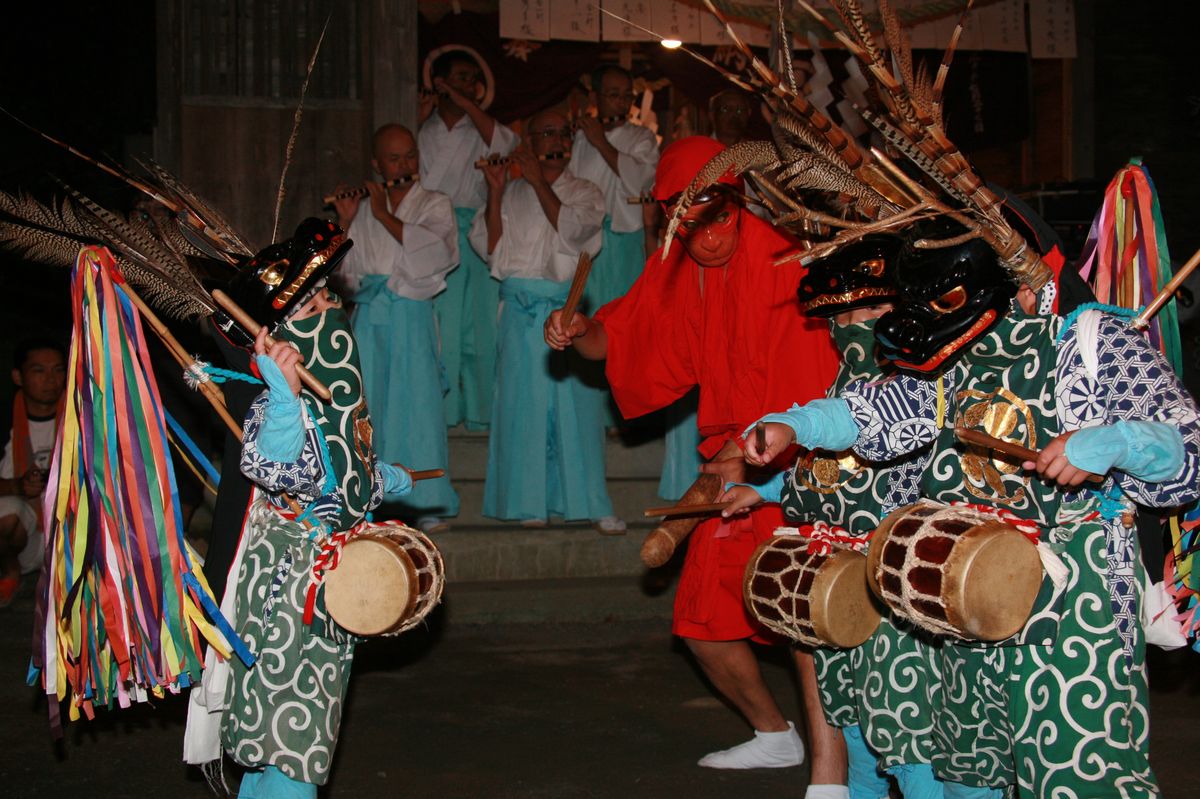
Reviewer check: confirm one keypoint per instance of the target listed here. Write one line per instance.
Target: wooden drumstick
(242, 318)
(426, 474)
(660, 545)
(1143, 319)
(702, 509)
(582, 270)
(985, 441)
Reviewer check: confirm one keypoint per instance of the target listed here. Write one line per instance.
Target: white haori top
(417, 268)
(637, 161)
(448, 157)
(529, 246)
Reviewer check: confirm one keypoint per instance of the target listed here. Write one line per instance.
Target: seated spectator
(40, 374)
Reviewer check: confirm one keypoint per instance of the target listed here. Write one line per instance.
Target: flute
(641, 199)
(361, 191)
(576, 124)
(501, 160)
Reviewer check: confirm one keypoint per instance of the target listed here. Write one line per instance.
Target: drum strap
(824, 535)
(327, 558)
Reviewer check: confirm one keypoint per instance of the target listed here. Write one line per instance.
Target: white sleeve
(6, 465)
(478, 237)
(636, 168)
(356, 264)
(431, 240)
(580, 220)
(503, 142)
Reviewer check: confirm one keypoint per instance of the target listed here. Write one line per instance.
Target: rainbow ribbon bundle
(1180, 575)
(1125, 257)
(121, 604)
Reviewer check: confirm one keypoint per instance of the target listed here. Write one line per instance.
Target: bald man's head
(395, 152)
(549, 132)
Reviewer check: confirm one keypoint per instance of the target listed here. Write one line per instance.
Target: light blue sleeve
(1146, 450)
(770, 491)
(281, 437)
(819, 424)
(396, 481)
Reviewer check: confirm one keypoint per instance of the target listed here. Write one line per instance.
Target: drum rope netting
(906, 603)
(430, 572)
(823, 540)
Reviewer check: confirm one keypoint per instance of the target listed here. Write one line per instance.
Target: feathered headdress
(809, 151)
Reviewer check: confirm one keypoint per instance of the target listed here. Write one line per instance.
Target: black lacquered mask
(858, 275)
(949, 297)
(278, 278)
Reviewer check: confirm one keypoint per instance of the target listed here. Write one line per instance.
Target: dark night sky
(85, 74)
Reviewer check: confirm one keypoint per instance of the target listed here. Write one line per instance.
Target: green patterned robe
(1060, 709)
(886, 685)
(285, 710)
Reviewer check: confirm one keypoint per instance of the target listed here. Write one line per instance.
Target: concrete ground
(507, 710)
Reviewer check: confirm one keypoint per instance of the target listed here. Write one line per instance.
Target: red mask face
(709, 231)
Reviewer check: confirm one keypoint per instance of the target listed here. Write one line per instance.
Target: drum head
(992, 580)
(373, 588)
(843, 611)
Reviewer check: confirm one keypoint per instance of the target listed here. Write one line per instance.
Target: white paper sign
(1003, 26)
(575, 20)
(713, 32)
(633, 10)
(525, 19)
(676, 21)
(1052, 28)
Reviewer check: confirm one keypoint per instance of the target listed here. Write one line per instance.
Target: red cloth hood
(681, 161)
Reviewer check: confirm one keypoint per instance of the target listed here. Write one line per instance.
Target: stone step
(630, 497)
(593, 600)
(518, 553)
(623, 459)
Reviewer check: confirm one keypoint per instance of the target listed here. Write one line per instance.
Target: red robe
(741, 337)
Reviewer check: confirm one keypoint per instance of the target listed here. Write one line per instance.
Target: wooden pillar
(167, 130)
(390, 61)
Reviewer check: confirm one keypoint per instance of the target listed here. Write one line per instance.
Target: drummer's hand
(730, 470)
(285, 356)
(1052, 464)
(559, 337)
(779, 437)
(743, 498)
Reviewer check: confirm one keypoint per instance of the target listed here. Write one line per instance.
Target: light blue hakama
(398, 350)
(466, 314)
(546, 454)
(681, 458)
(615, 268)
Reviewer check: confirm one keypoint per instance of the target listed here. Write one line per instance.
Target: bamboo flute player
(718, 314)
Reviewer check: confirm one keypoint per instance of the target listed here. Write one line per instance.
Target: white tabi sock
(827, 792)
(765, 750)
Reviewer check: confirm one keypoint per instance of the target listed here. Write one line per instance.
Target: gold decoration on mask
(273, 274)
(1001, 414)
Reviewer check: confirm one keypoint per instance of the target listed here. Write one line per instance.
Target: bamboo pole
(242, 318)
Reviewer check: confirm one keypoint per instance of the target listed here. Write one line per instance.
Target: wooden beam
(390, 61)
(170, 87)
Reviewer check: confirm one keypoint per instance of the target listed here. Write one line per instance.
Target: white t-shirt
(41, 439)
